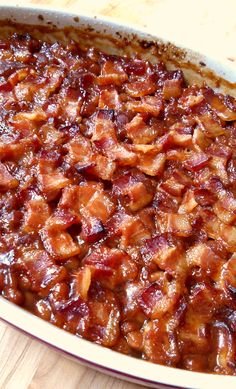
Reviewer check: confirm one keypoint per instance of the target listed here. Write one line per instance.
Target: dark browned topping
(118, 208)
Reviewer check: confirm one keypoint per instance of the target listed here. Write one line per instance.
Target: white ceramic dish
(85, 352)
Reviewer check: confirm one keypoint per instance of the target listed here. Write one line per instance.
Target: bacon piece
(38, 212)
(159, 298)
(166, 352)
(228, 234)
(163, 250)
(172, 88)
(42, 271)
(79, 149)
(139, 132)
(51, 183)
(27, 89)
(148, 104)
(176, 224)
(36, 115)
(179, 139)
(112, 73)
(98, 206)
(51, 135)
(19, 75)
(82, 281)
(70, 198)
(104, 167)
(173, 187)
(109, 99)
(219, 168)
(105, 313)
(92, 230)
(203, 256)
(13, 150)
(188, 203)
(141, 88)
(133, 232)
(111, 266)
(7, 181)
(151, 164)
(59, 244)
(61, 219)
(219, 106)
(200, 140)
(225, 208)
(54, 77)
(211, 127)
(197, 161)
(89, 200)
(87, 160)
(105, 140)
(137, 187)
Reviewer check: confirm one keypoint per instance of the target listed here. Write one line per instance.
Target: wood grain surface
(210, 26)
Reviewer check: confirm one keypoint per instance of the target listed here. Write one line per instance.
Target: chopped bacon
(118, 202)
(111, 266)
(228, 276)
(172, 186)
(219, 165)
(162, 250)
(197, 161)
(188, 203)
(151, 164)
(51, 135)
(51, 183)
(59, 244)
(79, 149)
(42, 270)
(166, 352)
(139, 132)
(211, 127)
(7, 181)
(141, 88)
(148, 104)
(105, 140)
(112, 73)
(200, 140)
(70, 198)
(228, 234)
(172, 88)
(61, 219)
(203, 256)
(133, 232)
(92, 229)
(176, 224)
(38, 212)
(109, 99)
(219, 106)
(179, 139)
(136, 187)
(158, 298)
(82, 281)
(225, 209)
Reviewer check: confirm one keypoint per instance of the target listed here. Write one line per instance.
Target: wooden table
(25, 363)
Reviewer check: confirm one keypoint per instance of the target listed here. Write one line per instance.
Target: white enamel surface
(76, 347)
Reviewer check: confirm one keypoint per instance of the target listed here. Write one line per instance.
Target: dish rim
(114, 363)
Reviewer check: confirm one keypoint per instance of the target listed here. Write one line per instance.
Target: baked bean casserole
(118, 202)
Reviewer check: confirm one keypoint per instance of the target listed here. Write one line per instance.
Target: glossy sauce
(118, 208)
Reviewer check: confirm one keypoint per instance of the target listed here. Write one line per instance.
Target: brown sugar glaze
(118, 208)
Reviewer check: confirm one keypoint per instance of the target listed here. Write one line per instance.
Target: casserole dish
(112, 38)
